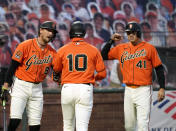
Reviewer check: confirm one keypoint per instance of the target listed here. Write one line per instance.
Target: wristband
(123, 85)
(4, 88)
(111, 41)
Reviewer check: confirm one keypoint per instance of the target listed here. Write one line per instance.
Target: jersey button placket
(38, 67)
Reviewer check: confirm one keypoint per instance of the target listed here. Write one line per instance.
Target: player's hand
(56, 77)
(116, 37)
(97, 84)
(5, 93)
(161, 94)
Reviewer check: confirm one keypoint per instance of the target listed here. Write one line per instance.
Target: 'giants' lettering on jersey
(36, 61)
(127, 56)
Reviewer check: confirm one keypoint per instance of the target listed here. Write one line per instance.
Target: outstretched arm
(107, 47)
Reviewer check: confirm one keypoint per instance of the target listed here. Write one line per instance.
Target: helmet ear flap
(139, 34)
(54, 36)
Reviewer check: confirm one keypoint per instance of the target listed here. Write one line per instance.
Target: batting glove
(5, 94)
(123, 85)
(56, 77)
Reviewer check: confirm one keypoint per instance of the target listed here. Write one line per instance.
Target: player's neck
(136, 42)
(41, 43)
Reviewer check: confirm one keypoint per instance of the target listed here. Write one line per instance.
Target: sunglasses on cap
(131, 32)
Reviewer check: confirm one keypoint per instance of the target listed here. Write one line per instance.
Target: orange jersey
(136, 62)
(78, 62)
(34, 62)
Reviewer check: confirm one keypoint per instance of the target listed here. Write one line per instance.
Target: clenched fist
(116, 37)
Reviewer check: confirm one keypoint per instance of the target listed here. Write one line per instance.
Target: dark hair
(93, 6)
(67, 5)
(29, 36)
(152, 6)
(88, 25)
(4, 3)
(30, 26)
(98, 15)
(127, 5)
(44, 7)
(122, 25)
(9, 15)
(145, 24)
(62, 27)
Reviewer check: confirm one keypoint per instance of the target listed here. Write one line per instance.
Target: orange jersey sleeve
(136, 62)
(78, 62)
(34, 62)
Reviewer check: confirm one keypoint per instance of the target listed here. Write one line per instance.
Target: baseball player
(30, 64)
(137, 59)
(78, 62)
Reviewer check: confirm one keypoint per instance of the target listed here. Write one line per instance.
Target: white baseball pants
(77, 104)
(137, 106)
(29, 95)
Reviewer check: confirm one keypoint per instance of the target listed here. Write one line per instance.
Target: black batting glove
(4, 94)
(56, 77)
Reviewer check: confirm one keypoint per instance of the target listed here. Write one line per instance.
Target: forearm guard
(106, 49)
(160, 76)
(11, 71)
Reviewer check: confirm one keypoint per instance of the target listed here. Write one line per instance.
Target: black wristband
(110, 41)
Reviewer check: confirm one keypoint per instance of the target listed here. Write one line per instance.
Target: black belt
(80, 83)
(33, 82)
(87, 83)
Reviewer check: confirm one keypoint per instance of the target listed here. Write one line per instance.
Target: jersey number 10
(77, 62)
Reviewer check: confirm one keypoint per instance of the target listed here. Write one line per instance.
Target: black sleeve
(106, 49)
(160, 76)
(11, 71)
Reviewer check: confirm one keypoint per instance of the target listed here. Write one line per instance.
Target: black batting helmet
(49, 25)
(135, 27)
(77, 29)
